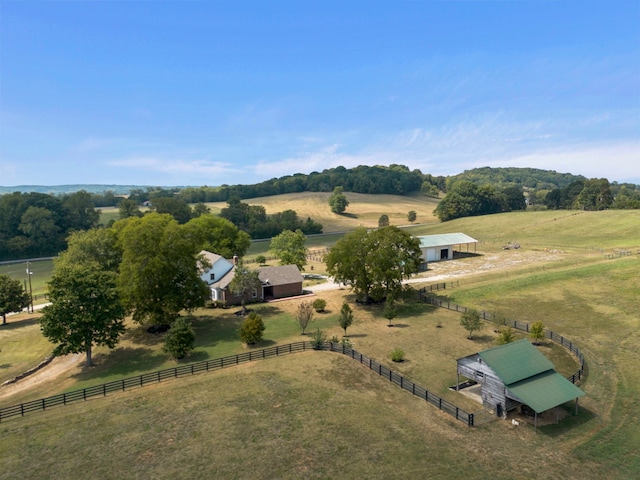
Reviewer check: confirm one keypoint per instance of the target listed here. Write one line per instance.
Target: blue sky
(208, 93)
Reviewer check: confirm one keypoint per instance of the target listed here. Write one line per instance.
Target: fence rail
(404, 383)
(232, 360)
(522, 326)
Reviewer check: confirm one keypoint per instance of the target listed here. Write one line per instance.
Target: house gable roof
(280, 275)
(272, 276)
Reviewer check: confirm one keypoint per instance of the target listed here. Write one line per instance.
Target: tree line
(467, 199)
(394, 179)
(37, 224)
(593, 194)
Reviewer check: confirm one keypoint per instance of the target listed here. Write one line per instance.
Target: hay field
(363, 210)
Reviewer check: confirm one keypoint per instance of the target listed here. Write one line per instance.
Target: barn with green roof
(517, 374)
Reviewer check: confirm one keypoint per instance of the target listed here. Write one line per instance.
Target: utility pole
(29, 273)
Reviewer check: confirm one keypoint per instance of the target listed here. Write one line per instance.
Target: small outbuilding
(280, 282)
(517, 374)
(442, 247)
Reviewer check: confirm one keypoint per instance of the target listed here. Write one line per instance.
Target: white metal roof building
(441, 247)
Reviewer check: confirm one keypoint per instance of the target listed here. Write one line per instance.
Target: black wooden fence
(208, 365)
(522, 326)
(403, 382)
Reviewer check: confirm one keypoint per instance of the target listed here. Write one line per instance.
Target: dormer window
(212, 276)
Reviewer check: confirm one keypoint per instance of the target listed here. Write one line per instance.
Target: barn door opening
(444, 254)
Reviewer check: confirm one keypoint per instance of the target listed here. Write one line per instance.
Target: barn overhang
(544, 391)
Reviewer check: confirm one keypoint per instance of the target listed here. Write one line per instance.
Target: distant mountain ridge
(396, 179)
(72, 188)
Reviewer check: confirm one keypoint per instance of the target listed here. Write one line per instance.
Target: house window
(479, 374)
(212, 276)
(254, 294)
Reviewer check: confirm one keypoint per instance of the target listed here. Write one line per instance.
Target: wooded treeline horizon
(37, 224)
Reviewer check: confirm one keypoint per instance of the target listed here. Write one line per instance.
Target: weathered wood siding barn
(517, 374)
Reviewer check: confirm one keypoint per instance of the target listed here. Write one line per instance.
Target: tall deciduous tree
(412, 216)
(390, 310)
(218, 235)
(85, 310)
(338, 200)
(178, 209)
(289, 248)
(346, 317)
(81, 212)
(595, 195)
(506, 335)
(158, 275)
(383, 221)
(13, 298)
(374, 263)
(536, 332)
(394, 256)
(244, 283)
(347, 262)
(98, 247)
(252, 329)
(471, 321)
(180, 339)
(129, 208)
(304, 315)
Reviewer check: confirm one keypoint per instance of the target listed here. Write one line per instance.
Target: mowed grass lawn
(320, 415)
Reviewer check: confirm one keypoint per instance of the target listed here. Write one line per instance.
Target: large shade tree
(218, 235)
(374, 263)
(13, 298)
(85, 310)
(338, 200)
(289, 248)
(158, 275)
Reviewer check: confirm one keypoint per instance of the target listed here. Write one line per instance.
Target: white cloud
(614, 161)
(194, 172)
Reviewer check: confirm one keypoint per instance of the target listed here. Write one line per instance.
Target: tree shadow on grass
(139, 335)
(123, 361)
(570, 422)
(5, 365)
(210, 331)
(261, 344)
(267, 309)
(27, 322)
(356, 335)
(481, 338)
(398, 325)
(197, 356)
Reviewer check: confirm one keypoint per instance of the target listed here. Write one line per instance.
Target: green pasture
(107, 214)
(577, 231)
(22, 346)
(320, 415)
(313, 415)
(41, 273)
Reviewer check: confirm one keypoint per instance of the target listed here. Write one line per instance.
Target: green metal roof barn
(517, 374)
